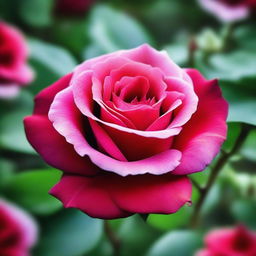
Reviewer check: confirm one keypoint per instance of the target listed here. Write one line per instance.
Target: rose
(238, 241)
(14, 71)
(126, 128)
(73, 7)
(18, 232)
(229, 10)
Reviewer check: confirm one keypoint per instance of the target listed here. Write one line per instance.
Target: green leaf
(37, 13)
(6, 172)
(171, 221)
(245, 37)
(71, 33)
(50, 63)
(112, 30)
(135, 231)
(249, 148)
(242, 101)
(178, 52)
(227, 66)
(12, 135)
(176, 243)
(69, 233)
(245, 211)
(30, 190)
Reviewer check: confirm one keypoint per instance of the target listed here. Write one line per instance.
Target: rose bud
(14, 71)
(18, 232)
(229, 10)
(126, 128)
(230, 242)
(73, 7)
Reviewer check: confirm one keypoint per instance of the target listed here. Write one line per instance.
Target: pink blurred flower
(229, 10)
(238, 241)
(126, 128)
(18, 232)
(14, 71)
(73, 7)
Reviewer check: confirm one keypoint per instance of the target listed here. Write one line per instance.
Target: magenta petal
(105, 142)
(152, 194)
(65, 118)
(82, 91)
(203, 135)
(225, 12)
(44, 99)
(90, 195)
(53, 147)
(112, 196)
(148, 55)
(189, 101)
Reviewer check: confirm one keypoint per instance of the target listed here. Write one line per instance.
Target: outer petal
(112, 196)
(47, 142)
(90, 195)
(143, 54)
(201, 137)
(152, 194)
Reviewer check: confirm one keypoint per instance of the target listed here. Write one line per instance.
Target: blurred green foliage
(57, 44)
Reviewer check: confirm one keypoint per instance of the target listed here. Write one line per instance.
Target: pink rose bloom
(230, 242)
(73, 7)
(229, 10)
(126, 128)
(18, 232)
(14, 71)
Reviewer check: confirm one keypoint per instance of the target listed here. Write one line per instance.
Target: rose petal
(189, 102)
(44, 99)
(65, 117)
(148, 55)
(89, 195)
(202, 136)
(53, 147)
(152, 194)
(224, 12)
(120, 197)
(82, 97)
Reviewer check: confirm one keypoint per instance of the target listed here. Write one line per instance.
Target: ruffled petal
(90, 195)
(112, 196)
(53, 147)
(202, 137)
(66, 120)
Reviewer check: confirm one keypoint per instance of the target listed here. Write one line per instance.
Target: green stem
(113, 239)
(215, 172)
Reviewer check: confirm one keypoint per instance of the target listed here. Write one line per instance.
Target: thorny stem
(215, 172)
(113, 239)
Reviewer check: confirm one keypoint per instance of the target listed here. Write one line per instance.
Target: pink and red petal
(201, 137)
(119, 197)
(54, 148)
(66, 120)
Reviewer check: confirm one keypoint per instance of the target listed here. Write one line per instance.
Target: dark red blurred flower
(18, 232)
(73, 7)
(238, 241)
(14, 71)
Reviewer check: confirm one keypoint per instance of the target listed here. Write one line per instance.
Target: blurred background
(60, 35)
